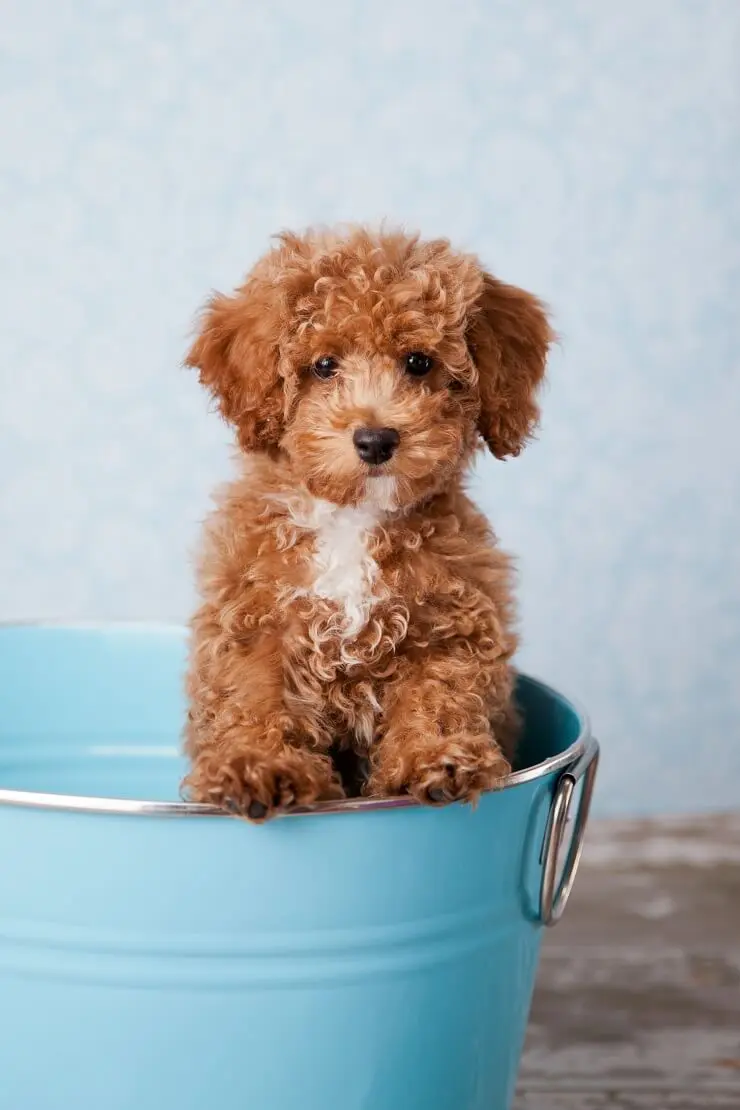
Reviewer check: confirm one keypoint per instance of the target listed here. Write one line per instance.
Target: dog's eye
(418, 364)
(325, 367)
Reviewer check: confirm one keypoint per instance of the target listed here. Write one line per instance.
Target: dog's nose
(375, 445)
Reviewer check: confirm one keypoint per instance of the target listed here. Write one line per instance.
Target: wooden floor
(638, 999)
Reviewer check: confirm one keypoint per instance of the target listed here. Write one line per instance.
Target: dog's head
(375, 362)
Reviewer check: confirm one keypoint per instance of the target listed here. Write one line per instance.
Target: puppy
(352, 595)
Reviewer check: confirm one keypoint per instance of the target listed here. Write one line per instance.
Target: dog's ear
(508, 336)
(238, 359)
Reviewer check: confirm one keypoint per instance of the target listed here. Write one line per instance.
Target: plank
(638, 998)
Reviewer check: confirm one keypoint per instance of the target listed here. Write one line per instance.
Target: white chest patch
(343, 569)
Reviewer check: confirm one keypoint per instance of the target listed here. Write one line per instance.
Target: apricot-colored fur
(365, 605)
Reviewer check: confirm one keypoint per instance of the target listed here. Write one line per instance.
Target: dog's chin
(342, 490)
(379, 489)
(375, 488)
(383, 489)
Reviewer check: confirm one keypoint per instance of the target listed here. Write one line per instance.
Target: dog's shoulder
(452, 523)
(446, 544)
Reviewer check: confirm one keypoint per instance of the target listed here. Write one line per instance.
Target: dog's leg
(250, 753)
(440, 738)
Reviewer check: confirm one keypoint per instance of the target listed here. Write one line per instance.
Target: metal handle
(554, 898)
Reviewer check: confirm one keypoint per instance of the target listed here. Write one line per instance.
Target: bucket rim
(135, 807)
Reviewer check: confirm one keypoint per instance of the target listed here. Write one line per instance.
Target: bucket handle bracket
(554, 895)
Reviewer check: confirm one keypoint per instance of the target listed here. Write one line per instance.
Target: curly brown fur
(346, 601)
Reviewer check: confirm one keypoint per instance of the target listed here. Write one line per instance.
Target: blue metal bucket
(156, 955)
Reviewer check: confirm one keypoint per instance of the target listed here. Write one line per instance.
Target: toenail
(436, 794)
(256, 811)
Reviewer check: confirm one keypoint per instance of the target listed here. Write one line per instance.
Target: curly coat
(345, 603)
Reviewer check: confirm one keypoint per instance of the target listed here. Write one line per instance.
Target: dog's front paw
(454, 769)
(259, 785)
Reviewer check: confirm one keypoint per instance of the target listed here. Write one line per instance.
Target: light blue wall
(588, 151)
